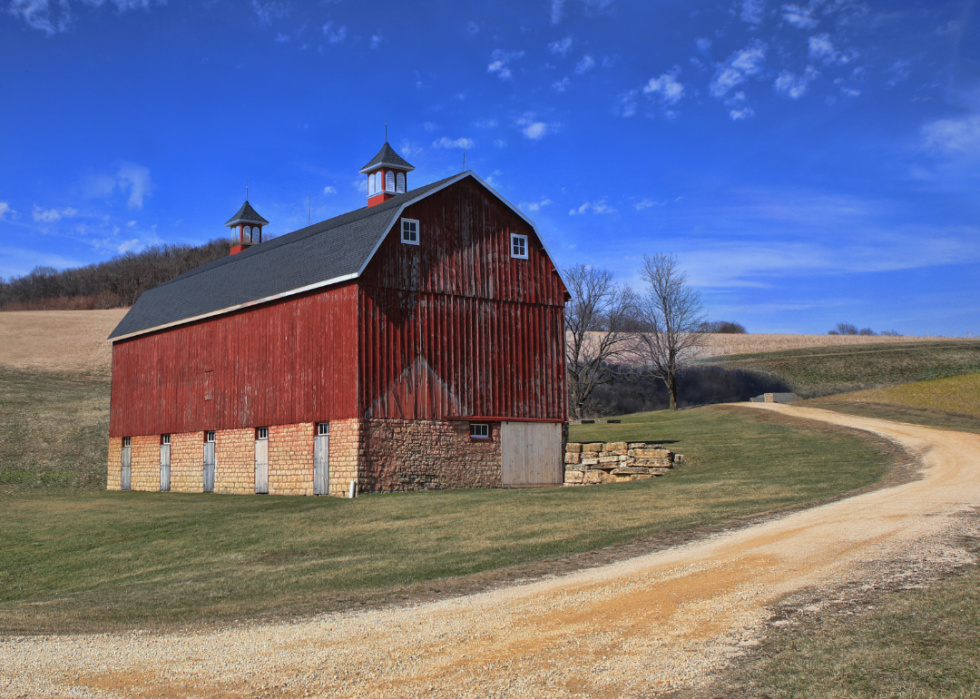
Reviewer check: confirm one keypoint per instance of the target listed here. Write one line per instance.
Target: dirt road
(633, 628)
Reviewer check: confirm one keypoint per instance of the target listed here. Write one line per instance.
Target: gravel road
(636, 628)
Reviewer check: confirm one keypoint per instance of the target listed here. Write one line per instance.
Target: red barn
(414, 343)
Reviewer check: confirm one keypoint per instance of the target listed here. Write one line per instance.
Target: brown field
(722, 344)
(58, 340)
(958, 394)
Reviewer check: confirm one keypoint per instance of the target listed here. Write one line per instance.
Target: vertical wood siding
(288, 362)
(457, 327)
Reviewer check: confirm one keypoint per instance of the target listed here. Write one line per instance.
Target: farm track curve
(639, 627)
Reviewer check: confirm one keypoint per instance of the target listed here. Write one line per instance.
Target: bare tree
(672, 311)
(596, 322)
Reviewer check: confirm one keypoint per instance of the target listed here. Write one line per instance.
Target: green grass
(821, 371)
(949, 404)
(84, 559)
(910, 644)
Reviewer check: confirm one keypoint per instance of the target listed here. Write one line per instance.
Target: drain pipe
(352, 491)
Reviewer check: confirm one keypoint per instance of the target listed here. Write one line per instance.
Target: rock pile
(615, 462)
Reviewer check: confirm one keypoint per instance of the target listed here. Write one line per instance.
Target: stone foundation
(379, 454)
(616, 462)
(400, 455)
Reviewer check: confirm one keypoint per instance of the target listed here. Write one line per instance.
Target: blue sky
(808, 162)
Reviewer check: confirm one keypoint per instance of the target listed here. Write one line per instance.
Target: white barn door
(531, 454)
(321, 459)
(262, 461)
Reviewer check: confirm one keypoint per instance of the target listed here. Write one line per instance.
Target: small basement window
(479, 430)
(127, 441)
(323, 428)
(165, 439)
(410, 231)
(518, 246)
(262, 433)
(209, 436)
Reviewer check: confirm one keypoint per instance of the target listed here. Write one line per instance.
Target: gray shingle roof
(387, 156)
(247, 214)
(329, 250)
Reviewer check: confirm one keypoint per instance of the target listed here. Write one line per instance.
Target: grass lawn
(80, 558)
(949, 404)
(821, 371)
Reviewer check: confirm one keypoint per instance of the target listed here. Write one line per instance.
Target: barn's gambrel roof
(329, 252)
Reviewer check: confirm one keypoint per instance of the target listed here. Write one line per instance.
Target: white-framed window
(372, 187)
(390, 181)
(127, 441)
(248, 234)
(400, 179)
(518, 246)
(479, 430)
(410, 231)
(322, 428)
(209, 436)
(262, 433)
(165, 439)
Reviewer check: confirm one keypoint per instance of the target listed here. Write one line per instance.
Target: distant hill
(116, 283)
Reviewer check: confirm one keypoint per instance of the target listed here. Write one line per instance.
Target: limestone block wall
(187, 462)
(399, 455)
(290, 459)
(114, 475)
(615, 462)
(234, 458)
(145, 462)
(345, 456)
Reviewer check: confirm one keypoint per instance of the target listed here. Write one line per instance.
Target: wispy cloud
(376, 40)
(561, 47)
(461, 142)
(753, 11)
(334, 34)
(561, 85)
(599, 207)
(268, 11)
(472, 28)
(535, 205)
(557, 11)
(5, 209)
(626, 105)
(585, 65)
(486, 123)
(799, 17)
(38, 14)
(533, 128)
(739, 66)
(959, 136)
(52, 215)
(822, 49)
(792, 85)
(130, 178)
(329, 190)
(666, 87)
(499, 61)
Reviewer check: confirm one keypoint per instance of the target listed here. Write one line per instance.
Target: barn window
(410, 231)
(390, 181)
(372, 187)
(262, 433)
(322, 428)
(127, 441)
(209, 436)
(401, 182)
(248, 234)
(518, 246)
(479, 430)
(165, 439)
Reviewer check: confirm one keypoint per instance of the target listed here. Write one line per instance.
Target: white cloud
(499, 60)
(52, 215)
(376, 40)
(429, 126)
(461, 142)
(626, 105)
(561, 47)
(329, 190)
(334, 36)
(599, 207)
(136, 180)
(645, 204)
(408, 148)
(561, 85)
(556, 11)
(585, 65)
(953, 136)
(38, 14)
(753, 11)
(281, 38)
(597, 7)
(133, 245)
(741, 113)
(799, 17)
(666, 87)
(703, 44)
(794, 86)
(5, 209)
(268, 11)
(499, 143)
(899, 71)
(739, 66)
(535, 205)
(822, 49)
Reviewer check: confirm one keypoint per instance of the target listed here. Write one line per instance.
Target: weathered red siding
(457, 327)
(282, 363)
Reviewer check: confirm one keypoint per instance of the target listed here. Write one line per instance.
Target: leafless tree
(672, 311)
(597, 320)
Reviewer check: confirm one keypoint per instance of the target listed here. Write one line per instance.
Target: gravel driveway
(635, 628)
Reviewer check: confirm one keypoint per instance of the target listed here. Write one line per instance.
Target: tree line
(115, 283)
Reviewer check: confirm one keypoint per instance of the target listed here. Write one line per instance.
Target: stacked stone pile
(615, 462)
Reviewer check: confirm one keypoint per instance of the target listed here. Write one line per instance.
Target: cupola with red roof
(387, 174)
